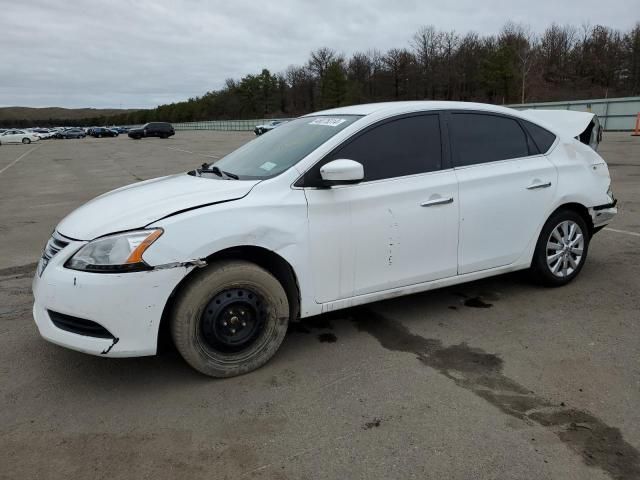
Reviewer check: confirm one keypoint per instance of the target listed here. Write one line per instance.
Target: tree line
(516, 65)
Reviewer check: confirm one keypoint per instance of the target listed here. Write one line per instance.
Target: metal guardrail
(617, 114)
(225, 125)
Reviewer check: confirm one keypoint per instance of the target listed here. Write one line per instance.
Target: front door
(399, 226)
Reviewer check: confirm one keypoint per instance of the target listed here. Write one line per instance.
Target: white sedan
(331, 210)
(18, 136)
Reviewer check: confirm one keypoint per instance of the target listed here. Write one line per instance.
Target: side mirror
(341, 172)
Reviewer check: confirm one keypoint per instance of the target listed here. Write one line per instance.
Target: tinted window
(481, 138)
(404, 146)
(543, 138)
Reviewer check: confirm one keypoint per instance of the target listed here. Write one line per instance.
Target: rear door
(506, 188)
(396, 228)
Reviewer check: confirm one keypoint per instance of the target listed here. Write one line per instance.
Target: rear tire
(561, 250)
(208, 323)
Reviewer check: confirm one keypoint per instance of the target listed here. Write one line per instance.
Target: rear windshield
(275, 151)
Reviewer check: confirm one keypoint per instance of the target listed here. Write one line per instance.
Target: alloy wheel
(565, 248)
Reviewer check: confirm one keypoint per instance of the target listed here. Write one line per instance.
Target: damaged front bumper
(117, 315)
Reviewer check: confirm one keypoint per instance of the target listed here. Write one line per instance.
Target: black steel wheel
(233, 319)
(230, 318)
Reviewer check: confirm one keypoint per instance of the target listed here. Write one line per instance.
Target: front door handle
(437, 201)
(539, 185)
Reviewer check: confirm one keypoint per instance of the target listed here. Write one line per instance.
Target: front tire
(26, 141)
(230, 318)
(561, 250)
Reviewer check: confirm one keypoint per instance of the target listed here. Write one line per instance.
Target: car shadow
(303, 336)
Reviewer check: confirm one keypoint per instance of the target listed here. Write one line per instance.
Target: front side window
(271, 154)
(482, 138)
(394, 148)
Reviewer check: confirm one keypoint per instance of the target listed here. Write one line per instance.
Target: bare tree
(399, 63)
(524, 43)
(321, 59)
(449, 45)
(426, 44)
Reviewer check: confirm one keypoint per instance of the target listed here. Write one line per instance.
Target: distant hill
(28, 113)
(27, 116)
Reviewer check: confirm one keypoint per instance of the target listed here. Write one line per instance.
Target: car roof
(412, 106)
(385, 109)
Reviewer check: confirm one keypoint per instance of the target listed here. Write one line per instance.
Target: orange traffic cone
(636, 132)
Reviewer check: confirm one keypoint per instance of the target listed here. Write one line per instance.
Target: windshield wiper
(208, 168)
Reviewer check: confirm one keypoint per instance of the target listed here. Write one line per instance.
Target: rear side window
(482, 138)
(396, 148)
(543, 138)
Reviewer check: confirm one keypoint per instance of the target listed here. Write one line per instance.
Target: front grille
(56, 243)
(79, 326)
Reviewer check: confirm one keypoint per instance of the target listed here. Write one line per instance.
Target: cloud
(138, 54)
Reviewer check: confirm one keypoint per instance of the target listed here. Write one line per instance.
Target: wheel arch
(263, 257)
(581, 210)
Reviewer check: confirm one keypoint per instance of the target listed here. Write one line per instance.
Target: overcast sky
(141, 53)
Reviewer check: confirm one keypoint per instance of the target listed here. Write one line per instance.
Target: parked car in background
(42, 133)
(332, 210)
(18, 136)
(267, 127)
(61, 132)
(99, 132)
(73, 133)
(120, 129)
(152, 129)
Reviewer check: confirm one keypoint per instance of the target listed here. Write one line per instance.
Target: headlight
(115, 253)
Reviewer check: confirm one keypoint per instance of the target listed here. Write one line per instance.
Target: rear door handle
(539, 185)
(437, 201)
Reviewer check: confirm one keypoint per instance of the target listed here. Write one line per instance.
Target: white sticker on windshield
(268, 166)
(328, 122)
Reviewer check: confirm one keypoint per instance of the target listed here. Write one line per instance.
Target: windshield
(274, 152)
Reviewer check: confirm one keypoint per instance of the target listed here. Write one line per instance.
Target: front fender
(276, 222)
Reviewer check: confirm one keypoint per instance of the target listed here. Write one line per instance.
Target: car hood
(140, 204)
